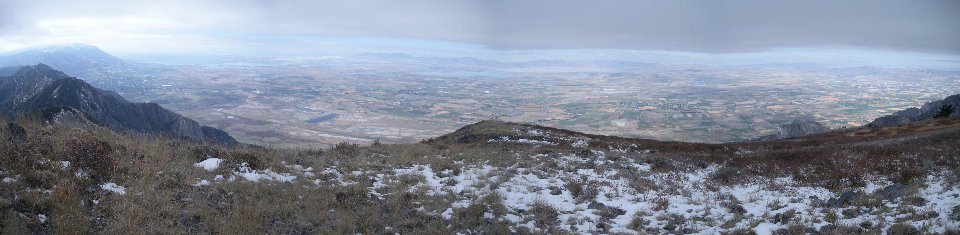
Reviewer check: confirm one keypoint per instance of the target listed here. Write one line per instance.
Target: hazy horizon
(489, 29)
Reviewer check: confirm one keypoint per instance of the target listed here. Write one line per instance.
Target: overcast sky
(675, 25)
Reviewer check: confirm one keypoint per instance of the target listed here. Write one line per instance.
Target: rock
(916, 201)
(556, 191)
(828, 229)
(816, 201)
(897, 190)
(925, 112)
(795, 129)
(596, 206)
(844, 198)
(607, 212)
(781, 218)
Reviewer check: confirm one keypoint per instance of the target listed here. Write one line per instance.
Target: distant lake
(323, 118)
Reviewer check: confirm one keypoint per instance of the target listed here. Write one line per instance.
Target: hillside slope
(489, 177)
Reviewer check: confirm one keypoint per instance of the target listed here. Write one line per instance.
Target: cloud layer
(700, 26)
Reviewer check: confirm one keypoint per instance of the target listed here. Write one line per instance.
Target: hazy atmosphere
(692, 26)
(480, 117)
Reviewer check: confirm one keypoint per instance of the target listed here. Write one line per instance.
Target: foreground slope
(489, 177)
(42, 90)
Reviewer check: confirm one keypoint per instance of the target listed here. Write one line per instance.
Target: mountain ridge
(38, 87)
(925, 112)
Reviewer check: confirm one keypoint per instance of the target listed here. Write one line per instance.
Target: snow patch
(506, 139)
(253, 175)
(447, 214)
(210, 164)
(202, 183)
(11, 180)
(114, 188)
(579, 143)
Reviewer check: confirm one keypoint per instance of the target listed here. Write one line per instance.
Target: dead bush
(726, 175)
(237, 158)
(582, 191)
(902, 229)
(544, 215)
(92, 154)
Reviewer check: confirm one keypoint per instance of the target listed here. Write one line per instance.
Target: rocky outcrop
(795, 129)
(925, 112)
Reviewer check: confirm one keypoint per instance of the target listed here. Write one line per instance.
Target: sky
(455, 26)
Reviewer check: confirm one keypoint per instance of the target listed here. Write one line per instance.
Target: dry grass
(158, 174)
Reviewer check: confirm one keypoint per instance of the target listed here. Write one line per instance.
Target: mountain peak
(39, 69)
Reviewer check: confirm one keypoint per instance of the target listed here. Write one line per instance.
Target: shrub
(902, 228)
(909, 176)
(202, 152)
(830, 216)
(660, 164)
(741, 231)
(544, 215)
(660, 204)
(13, 224)
(237, 158)
(726, 175)
(581, 191)
(345, 150)
(955, 214)
(675, 222)
(67, 213)
(638, 222)
(945, 111)
(733, 204)
(92, 154)
(473, 217)
(796, 229)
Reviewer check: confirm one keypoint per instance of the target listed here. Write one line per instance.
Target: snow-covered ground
(689, 202)
(591, 192)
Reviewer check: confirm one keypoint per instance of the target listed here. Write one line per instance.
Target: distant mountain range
(83, 61)
(925, 112)
(42, 90)
(77, 59)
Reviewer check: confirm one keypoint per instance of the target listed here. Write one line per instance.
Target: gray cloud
(703, 26)
(724, 26)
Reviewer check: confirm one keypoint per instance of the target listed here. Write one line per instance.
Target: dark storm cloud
(703, 26)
